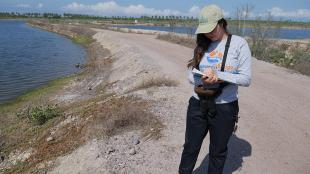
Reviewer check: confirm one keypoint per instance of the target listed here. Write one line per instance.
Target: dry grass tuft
(70, 139)
(153, 82)
(121, 115)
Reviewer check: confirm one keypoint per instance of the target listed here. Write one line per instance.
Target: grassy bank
(19, 132)
(36, 94)
(80, 36)
(26, 119)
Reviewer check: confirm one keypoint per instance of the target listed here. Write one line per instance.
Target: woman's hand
(210, 77)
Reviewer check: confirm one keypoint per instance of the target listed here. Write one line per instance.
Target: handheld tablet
(197, 72)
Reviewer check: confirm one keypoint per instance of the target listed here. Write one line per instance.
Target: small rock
(2, 142)
(132, 151)
(77, 65)
(49, 139)
(41, 166)
(110, 150)
(89, 88)
(1, 159)
(120, 164)
(136, 141)
(52, 133)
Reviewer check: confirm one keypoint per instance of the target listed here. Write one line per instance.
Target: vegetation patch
(83, 40)
(39, 114)
(301, 58)
(292, 56)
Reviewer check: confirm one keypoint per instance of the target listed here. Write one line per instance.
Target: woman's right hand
(210, 77)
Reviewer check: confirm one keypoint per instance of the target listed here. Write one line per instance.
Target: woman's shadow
(237, 149)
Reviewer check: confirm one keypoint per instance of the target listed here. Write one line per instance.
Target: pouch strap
(226, 52)
(224, 84)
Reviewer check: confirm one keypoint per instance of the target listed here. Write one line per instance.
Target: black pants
(198, 123)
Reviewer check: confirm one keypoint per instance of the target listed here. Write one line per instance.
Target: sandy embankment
(274, 129)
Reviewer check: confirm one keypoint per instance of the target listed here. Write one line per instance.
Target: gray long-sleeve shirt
(237, 68)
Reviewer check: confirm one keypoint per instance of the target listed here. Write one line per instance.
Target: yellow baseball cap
(208, 18)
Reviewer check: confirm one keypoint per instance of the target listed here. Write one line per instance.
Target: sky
(298, 10)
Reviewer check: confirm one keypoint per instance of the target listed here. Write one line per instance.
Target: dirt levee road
(274, 127)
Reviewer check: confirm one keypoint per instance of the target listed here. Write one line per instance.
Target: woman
(225, 61)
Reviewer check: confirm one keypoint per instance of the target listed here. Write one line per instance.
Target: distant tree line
(84, 16)
(29, 15)
(143, 17)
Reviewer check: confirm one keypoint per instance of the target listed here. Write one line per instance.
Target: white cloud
(23, 5)
(298, 13)
(226, 13)
(40, 5)
(195, 10)
(112, 8)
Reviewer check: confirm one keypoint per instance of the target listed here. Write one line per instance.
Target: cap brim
(205, 28)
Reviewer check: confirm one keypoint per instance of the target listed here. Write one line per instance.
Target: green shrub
(301, 55)
(83, 40)
(41, 114)
(275, 55)
(296, 58)
(302, 64)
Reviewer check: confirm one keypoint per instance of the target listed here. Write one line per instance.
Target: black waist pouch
(207, 98)
(208, 106)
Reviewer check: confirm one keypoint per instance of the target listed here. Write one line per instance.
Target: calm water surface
(31, 57)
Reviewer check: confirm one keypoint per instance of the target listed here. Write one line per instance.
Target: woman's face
(215, 34)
